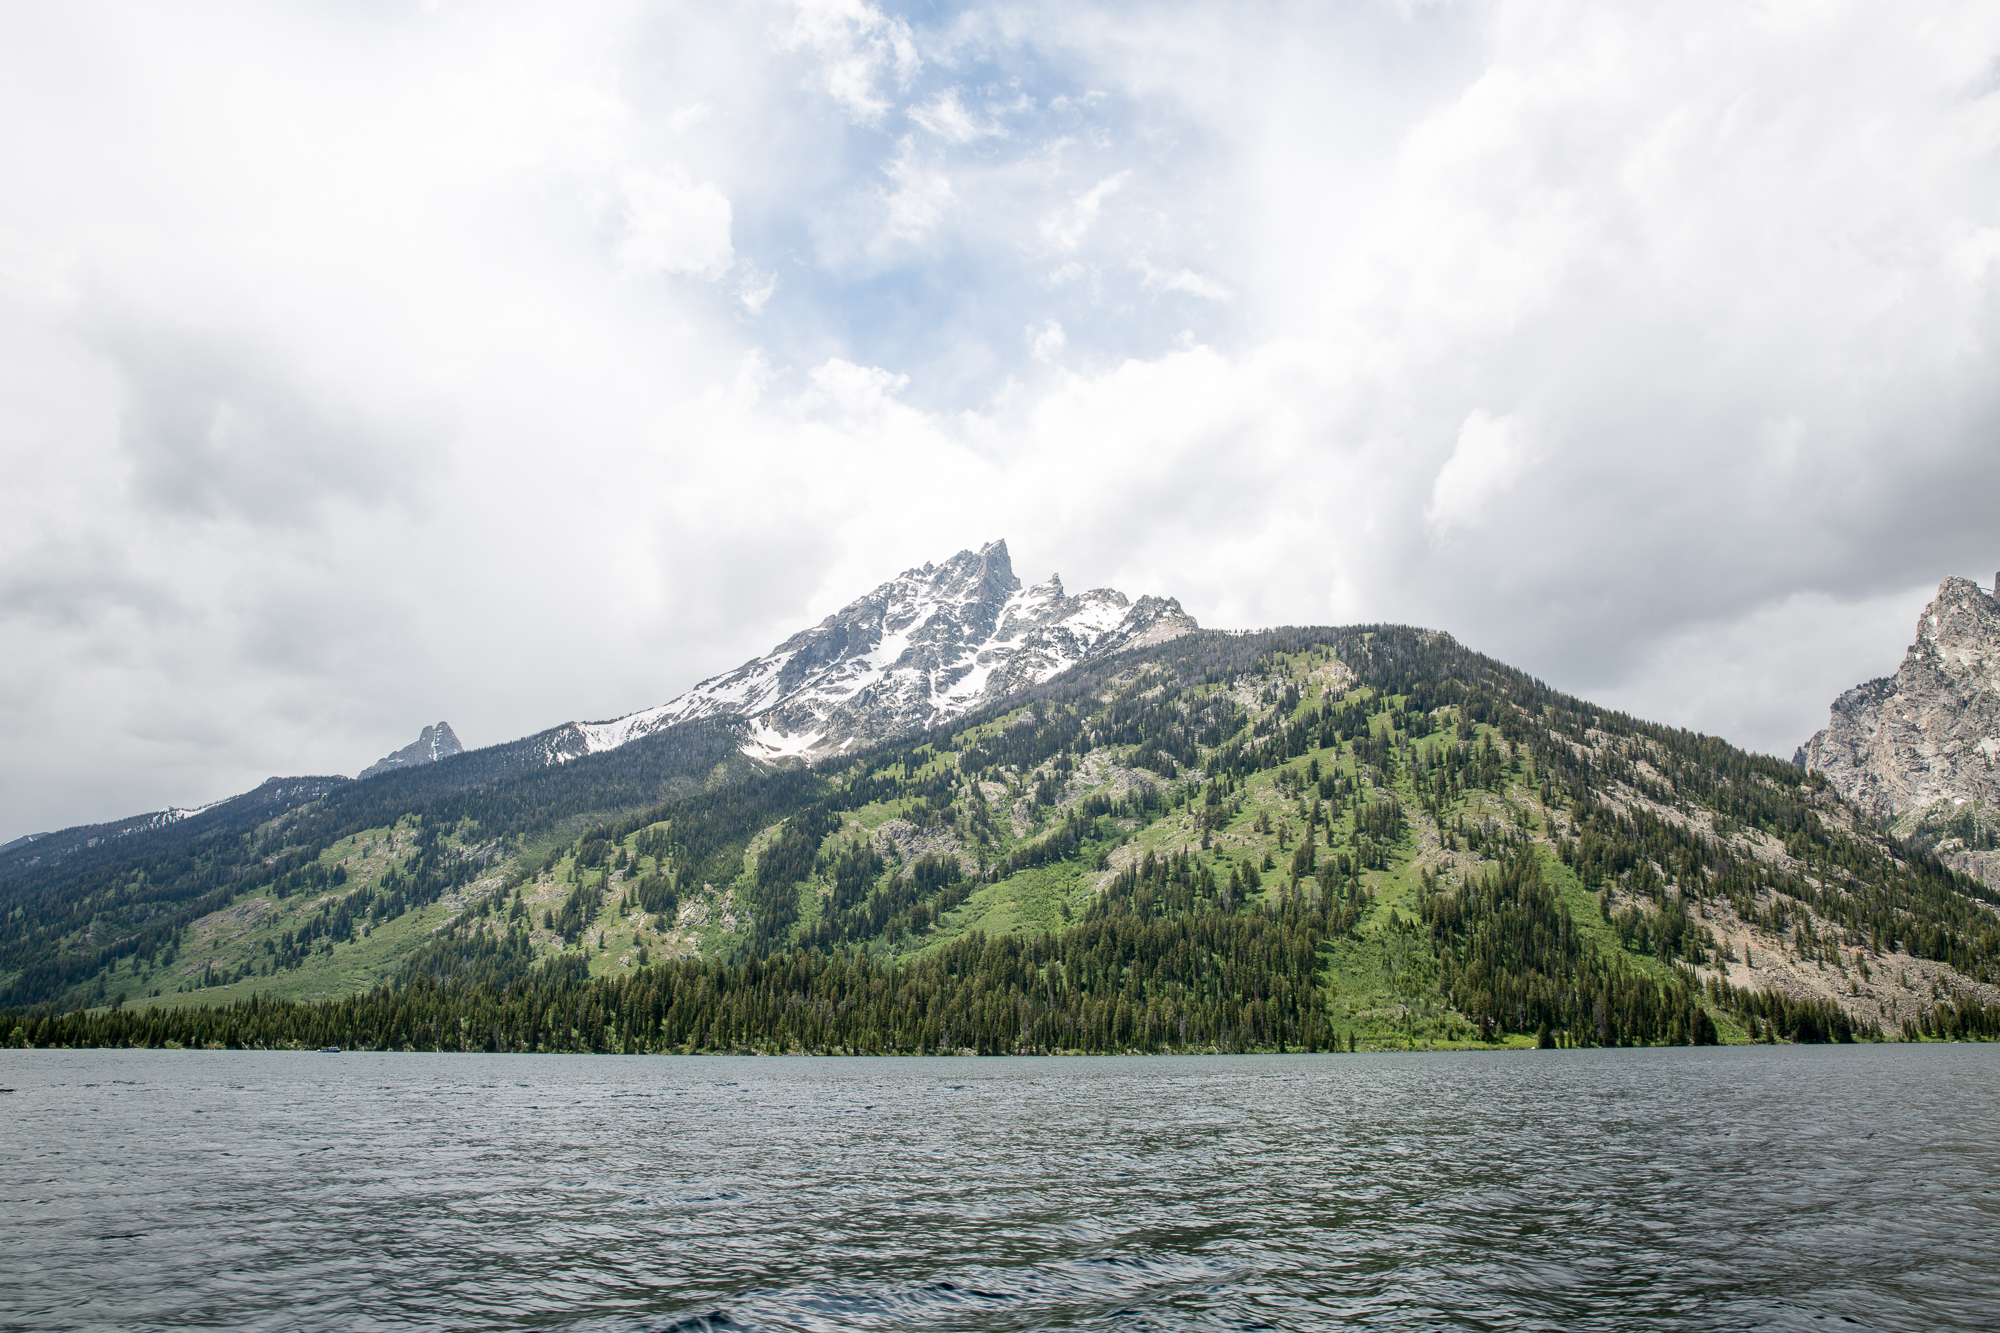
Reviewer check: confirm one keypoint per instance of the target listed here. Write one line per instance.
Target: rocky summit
(1922, 747)
(432, 744)
(924, 647)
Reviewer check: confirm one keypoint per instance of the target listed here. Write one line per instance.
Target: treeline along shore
(1125, 980)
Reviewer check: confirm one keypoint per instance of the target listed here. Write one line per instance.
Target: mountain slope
(85, 916)
(160, 829)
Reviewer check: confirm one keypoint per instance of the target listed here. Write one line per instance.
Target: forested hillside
(186, 905)
(1298, 839)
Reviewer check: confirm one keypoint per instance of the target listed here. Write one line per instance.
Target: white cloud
(1181, 280)
(881, 222)
(1066, 227)
(921, 196)
(945, 116)
(753, 377)
(674, 226)
(755, 290)
(687, 117)
(857, 47)
(1048, 341)
(1488, 459)
(851, 390)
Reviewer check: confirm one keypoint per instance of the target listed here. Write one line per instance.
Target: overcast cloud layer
(511, 365)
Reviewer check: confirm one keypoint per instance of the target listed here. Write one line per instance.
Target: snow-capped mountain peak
(927, 645)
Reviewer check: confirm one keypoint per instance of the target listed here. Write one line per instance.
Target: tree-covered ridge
(118, 915)
(1471, 855)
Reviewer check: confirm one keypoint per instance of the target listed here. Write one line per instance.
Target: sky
(367, 365)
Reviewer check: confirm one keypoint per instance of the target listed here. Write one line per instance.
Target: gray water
(1653, 1189)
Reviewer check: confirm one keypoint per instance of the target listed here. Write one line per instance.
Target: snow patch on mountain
(924, 647)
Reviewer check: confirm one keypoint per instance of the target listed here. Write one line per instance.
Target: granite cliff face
(1922, 747)
(925, 646)
(431, 745)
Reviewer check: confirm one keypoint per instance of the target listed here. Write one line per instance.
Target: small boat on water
(329, 1050)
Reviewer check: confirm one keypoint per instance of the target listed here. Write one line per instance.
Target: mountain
(1037, 821)
(1922, 747)
(431, 745)
(927, 646)
(1338, 837)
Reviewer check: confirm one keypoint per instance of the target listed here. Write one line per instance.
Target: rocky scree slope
(1922, 747)
(928, 645)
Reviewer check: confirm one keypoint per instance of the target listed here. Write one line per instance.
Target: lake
(1769, 1188)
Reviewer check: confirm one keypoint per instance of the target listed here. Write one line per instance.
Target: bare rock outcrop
(431, 745)
(1929, 734)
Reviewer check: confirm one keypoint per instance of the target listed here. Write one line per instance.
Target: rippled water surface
(1747, 1188)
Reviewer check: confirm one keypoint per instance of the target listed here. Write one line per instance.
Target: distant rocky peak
(432, 744)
